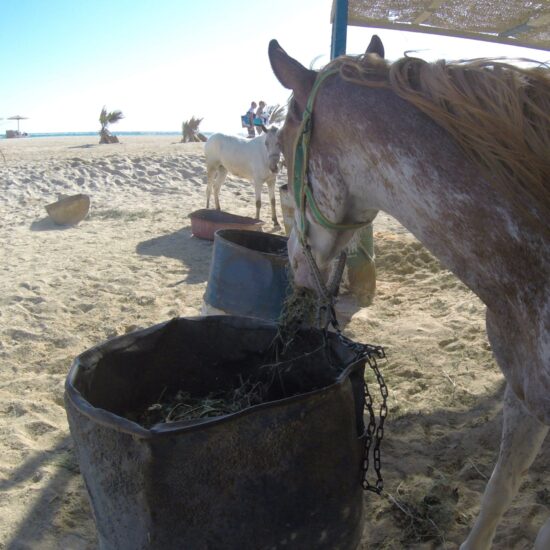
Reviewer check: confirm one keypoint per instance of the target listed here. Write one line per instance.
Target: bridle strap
(303, 197)
(303, 194)
(323, 220)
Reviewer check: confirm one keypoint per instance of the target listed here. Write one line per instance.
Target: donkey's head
(325, 226)
(273, 147)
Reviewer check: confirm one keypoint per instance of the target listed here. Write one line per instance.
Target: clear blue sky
(163, 61)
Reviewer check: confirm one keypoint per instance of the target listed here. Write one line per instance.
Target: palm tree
(277, 114)
(105, 119)
(190, 130)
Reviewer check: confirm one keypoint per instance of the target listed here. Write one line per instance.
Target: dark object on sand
(69, 210)
(248, 274)
(205, 222)
(286, 471)
(106, 137)
(15, 134)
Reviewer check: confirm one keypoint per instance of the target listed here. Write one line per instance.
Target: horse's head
(273, 147)
(328, 218)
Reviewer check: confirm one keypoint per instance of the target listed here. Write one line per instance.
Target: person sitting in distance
(250, 114)
(260, 119)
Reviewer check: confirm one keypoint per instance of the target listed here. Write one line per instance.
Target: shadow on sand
(182, 246)
(437, 465)
(42, 526)
(47, 224)
(411, 445)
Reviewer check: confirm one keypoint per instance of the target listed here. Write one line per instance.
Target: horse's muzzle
(301, 272)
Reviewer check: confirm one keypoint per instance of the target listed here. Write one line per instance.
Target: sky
(163, 61)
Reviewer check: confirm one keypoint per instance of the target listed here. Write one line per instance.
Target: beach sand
(133, 263)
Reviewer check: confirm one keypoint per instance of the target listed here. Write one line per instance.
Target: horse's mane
(499, 114)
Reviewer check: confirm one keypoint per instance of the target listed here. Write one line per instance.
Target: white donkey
(256, 160)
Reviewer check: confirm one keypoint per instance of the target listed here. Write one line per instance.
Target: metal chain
(326, 316)
(373, 432)
(370, 429)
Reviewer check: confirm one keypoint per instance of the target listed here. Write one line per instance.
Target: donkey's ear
(376, 46)
(291, 74)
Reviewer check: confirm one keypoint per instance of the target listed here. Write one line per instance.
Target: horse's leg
(258, 193)
(220, 178)
(522, 437)
(543, 538)
(271, 191)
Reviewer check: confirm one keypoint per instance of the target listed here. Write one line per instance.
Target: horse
(459, 154)
(255, 159)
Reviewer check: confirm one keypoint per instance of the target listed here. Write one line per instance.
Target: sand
(133, 263)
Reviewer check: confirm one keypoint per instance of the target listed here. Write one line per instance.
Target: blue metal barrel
(248, 273)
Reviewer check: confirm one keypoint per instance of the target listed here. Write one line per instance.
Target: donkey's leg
(211, 174)
(522, 437)
(258, 193)
(220, 178)
(271, 191)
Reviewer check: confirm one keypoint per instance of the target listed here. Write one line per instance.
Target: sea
(84, 134)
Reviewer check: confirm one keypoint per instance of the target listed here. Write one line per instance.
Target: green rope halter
(303, 195)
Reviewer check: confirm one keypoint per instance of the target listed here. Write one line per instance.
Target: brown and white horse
(460, 155)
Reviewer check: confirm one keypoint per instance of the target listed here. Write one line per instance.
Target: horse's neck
(407, 166)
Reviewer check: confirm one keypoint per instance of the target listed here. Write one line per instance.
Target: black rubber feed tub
(248, 274)
(282, 474)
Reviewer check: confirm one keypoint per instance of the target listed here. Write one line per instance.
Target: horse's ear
(291, 74)
(376, 46)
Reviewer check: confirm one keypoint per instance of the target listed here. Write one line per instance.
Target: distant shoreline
(86, 134)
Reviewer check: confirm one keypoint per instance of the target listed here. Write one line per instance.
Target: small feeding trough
(248, 274)
(205, 222)
(69, 210)
(282, 470)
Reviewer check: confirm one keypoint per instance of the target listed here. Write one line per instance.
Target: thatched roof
(516, 22)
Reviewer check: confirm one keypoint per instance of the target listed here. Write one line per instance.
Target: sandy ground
(133, 263)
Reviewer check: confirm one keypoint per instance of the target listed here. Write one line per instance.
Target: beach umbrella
(18, 118)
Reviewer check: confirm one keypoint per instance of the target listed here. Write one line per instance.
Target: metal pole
(339, 28)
